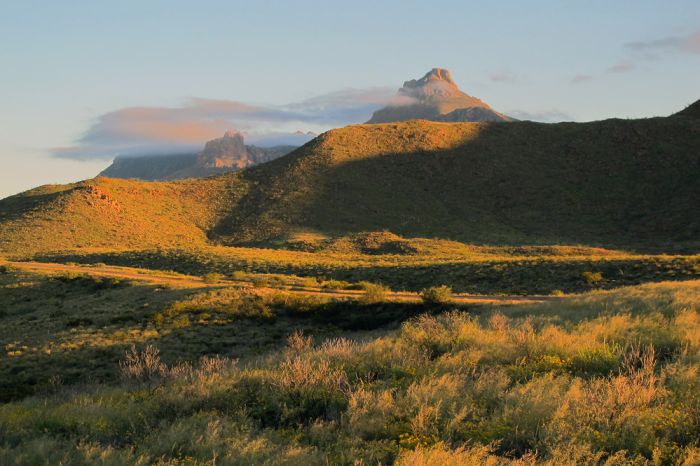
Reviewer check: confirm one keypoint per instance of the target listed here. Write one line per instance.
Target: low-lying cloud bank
(184, 129)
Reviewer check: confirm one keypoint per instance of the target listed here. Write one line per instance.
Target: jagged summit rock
(436, 97)
(225, 152)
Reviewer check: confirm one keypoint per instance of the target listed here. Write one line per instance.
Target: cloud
(622, 67)
(184, 129)
(580, 78)
(544, 116)
(650, 48)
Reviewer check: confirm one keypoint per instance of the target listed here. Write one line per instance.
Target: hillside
(622, 183)
(114, 213)
(614, 182)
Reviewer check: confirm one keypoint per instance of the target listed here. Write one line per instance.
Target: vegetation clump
(437, 295)
(592, 278)
(373, 292)
(212, 277)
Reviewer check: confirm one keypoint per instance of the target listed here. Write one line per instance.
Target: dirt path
(189, 281)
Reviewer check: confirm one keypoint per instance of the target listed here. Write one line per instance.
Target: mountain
(225, 154)
(149, 167)
(619, 183)
(436, 97)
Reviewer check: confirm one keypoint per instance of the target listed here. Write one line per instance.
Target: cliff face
(436, 97)
(226, 154)
(228, 151)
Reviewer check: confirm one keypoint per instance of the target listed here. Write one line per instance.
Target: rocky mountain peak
(224, 152)
(436, 97)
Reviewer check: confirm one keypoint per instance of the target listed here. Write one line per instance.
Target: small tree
(437, 295)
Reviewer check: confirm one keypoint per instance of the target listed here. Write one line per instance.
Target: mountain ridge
(620, 183)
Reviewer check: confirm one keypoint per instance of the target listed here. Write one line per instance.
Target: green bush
(436, 295)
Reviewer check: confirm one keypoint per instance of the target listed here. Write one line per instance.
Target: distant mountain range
(436, 97)
(225, 154)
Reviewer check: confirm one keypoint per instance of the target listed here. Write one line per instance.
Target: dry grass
(602, 378)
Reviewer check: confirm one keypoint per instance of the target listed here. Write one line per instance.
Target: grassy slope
(630, 183)
(112, 213)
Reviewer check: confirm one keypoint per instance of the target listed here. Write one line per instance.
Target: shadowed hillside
(614, 182)
(623, 183)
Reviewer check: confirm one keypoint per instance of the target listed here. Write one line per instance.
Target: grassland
(221, 376)
(466, 268)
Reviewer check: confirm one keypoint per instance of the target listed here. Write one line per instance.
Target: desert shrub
(374, 292)
(592, 278)
(335, 285)
(300, 303)
(298, 342)
(144, 365)
(238, 275)
(436, 295)
(601, 359)
(212, 278)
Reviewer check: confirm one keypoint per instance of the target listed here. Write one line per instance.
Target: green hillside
(618, 183)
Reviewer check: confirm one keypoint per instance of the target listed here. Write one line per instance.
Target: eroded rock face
(434, 97)
(225, 152)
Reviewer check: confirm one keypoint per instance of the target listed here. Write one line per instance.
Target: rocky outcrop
(221, 155)
(436, 97)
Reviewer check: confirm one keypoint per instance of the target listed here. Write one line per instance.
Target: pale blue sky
(65, 64)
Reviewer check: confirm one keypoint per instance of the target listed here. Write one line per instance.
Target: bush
(436, 295)
(335, 285)
(212, 278)
(374, 292)
(592, 277)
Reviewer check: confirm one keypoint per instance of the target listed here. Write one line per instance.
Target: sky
(83, 81)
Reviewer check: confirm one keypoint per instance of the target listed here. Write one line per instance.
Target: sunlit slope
(111, 213)
(615, 183)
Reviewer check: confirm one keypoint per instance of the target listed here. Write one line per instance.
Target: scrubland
(603, 377)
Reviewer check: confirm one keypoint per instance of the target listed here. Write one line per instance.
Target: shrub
(436, 295)
(142, 365)
(212, 278)
(335, 285)
(374, 292)
(592, 277)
